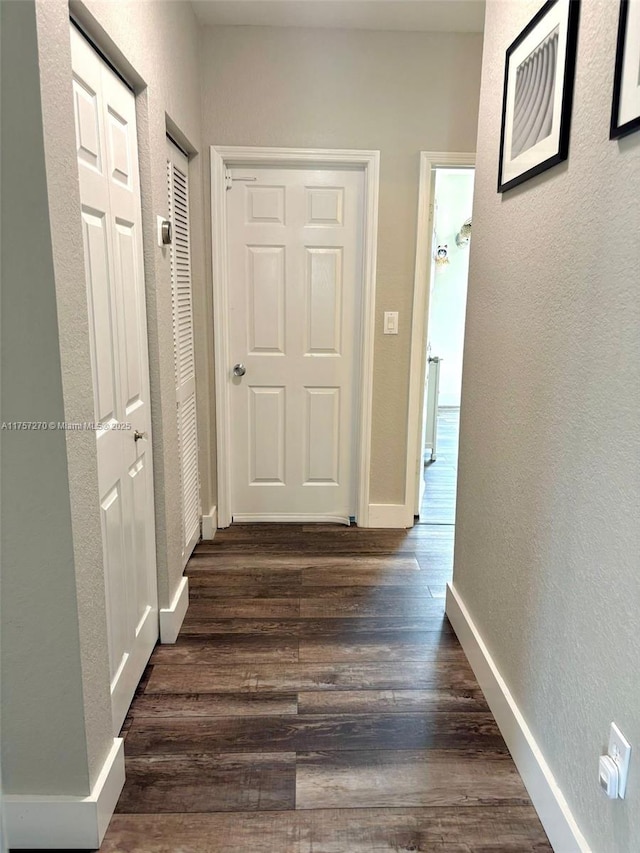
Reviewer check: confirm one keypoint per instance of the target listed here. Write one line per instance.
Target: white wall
(396, 92)
(53, 641)
(547, 529)
(55, 697)
(448, 298)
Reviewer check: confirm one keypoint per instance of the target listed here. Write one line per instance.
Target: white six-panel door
(295, 278)
(111, 222)
(183, 345)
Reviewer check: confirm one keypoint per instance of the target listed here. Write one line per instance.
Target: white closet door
(182, 297)
(106, 145)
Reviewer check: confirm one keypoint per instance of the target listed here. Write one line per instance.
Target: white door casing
(295, 263)
(183, 345)
(107, 154)
(294, 302)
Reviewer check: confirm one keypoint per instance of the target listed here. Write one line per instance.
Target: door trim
(221, 158)
(429, 160)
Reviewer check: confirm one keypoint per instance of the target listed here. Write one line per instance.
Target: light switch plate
(620, 751)
(391, 322)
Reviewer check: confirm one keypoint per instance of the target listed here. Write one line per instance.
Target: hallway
(318, 700)
(441, 476)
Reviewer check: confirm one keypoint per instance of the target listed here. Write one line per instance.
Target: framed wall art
(625, 110)
(538, 94)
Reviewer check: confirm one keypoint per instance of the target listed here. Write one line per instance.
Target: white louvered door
(106, 147)
(183, 339)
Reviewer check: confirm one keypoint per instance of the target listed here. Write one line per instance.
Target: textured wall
(56, 707)
(397, 92)
(548, 533)
(44, 741)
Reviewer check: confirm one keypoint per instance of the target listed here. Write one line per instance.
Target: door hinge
(228, 180)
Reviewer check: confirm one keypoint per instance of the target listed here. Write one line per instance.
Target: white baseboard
(390, 515)
(548, 800)
(65, 822)
(210, 523)
(290, 518)
(171, 618)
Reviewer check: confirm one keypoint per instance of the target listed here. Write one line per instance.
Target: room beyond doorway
(449, 232)
(441, 475)
(449, 277)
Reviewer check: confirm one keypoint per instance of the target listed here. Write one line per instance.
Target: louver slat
(181, 276)
(190, 485)
(183, 342)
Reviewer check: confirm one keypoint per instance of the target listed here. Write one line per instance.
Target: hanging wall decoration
(625, 111)
(464, 234)
(538, 93)
(442, 255)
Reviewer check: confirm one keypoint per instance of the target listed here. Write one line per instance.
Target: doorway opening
(442, 244)
(450, 235)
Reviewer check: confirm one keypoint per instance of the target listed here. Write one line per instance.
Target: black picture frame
(532, 71)
(621, 127)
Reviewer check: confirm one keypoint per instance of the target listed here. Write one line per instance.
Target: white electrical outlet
(609, 776)
(620, 751)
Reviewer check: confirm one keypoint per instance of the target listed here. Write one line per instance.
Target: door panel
(322, 435)
(110, 201)
(101, 310)
(265, 204)
(324, 205)
(115, 574)
(295, 258)
(266, 310)
(120, 141)
(267, 407)
(139, 484)
(324, 301)
(133, 355)
(87, 122)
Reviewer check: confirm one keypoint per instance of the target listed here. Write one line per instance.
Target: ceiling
(409, 15)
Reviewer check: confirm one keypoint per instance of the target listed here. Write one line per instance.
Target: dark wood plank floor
(317, 701)
(439, 501)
